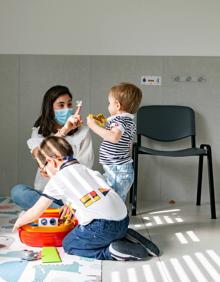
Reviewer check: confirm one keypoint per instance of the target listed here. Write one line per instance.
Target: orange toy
(35, 235)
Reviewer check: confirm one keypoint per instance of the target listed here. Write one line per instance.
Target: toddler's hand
(91, 122)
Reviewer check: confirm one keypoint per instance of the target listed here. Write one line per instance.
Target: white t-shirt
(87, 192)
(81, 143)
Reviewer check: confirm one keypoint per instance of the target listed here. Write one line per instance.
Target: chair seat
(179, 153)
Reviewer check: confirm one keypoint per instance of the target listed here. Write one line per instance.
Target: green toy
(50, 254)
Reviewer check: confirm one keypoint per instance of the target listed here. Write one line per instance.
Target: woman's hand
(43, 173)
(35, 152)
(73, 122)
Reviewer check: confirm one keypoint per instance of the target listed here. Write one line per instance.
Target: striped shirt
(119, 153)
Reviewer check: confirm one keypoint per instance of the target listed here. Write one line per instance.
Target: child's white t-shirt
(87, 192)
(80, 141)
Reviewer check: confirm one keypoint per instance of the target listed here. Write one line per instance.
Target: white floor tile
(187, 237)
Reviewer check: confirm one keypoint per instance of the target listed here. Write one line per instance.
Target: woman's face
(63, 102)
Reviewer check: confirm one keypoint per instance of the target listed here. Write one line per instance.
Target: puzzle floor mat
(14, 269)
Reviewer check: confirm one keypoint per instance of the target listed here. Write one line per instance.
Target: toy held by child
(114, 154)
(99, 118)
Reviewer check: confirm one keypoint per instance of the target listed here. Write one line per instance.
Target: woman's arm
(85, 155)
(33, 213)
(81, 142)
(35, 140)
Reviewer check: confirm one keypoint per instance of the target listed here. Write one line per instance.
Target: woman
(56, 119)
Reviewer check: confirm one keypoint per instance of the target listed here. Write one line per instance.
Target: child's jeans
(93, 240)
(120, 178)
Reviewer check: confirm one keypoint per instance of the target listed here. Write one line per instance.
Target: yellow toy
(99, 118)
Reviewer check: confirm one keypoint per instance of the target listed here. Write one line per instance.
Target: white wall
(116, 27)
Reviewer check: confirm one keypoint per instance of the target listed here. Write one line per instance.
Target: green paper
(50, 254)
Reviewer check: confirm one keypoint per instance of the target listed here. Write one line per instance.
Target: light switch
(153, 80)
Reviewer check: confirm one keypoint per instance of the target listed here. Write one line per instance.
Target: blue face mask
(61, 116)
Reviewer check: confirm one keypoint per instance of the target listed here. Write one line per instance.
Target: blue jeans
(93, 240)
(120, 178)
(25, 197)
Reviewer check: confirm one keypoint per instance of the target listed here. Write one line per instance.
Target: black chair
(167, 124)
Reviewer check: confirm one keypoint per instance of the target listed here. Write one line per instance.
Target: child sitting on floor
(102, 215)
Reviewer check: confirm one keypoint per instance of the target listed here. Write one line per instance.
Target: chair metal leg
(211, 182)
(134, 189)
(199, 184)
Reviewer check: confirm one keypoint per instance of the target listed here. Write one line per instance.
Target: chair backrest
(166, 123)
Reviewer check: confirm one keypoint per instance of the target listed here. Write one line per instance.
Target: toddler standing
(114, 155)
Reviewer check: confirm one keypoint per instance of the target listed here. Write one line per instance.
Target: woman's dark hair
(46, 121)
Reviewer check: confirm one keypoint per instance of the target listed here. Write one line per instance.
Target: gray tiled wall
(25, 78)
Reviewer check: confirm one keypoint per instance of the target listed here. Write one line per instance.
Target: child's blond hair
(128, 95)
(55, 147)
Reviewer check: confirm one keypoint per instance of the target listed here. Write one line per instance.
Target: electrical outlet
(151, 80)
